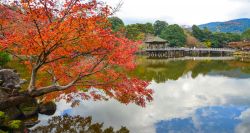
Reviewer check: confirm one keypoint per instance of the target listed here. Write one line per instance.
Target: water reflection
(190, 96)
(162, 70)
(76, 124)
(215, 119)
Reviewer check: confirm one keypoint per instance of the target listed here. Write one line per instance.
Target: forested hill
(236, 26)
(176, 35)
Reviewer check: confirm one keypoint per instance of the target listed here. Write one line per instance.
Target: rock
(10, 79)
(12, 113)
(32, 121)
(2, 118)
(30, 124)
(3, 94)
(48, 108)
(29, 108)
(1, 122)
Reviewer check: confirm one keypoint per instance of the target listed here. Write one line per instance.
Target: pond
(190, 95)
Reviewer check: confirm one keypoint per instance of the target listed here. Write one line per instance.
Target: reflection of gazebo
(155, 42)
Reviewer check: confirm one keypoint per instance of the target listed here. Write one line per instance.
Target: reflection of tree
(204, 67)
(160, 71)
(163, 70)
(76, 124)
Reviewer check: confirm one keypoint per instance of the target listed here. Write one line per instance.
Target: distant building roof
(154, 39)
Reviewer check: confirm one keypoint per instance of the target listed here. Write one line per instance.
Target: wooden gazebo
(155, 42)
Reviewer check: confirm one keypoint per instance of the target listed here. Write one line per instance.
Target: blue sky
(184, 12)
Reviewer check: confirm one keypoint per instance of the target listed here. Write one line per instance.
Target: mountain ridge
(235, 26)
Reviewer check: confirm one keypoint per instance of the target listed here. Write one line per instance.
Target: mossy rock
(2, 115)
(29, 108)
(12, 113)
(2, 118)
(1, 131)
(15, 124)
(30, 122)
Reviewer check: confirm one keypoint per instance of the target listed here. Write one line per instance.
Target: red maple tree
(71, 40)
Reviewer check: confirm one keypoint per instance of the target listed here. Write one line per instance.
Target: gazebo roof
(155, 39)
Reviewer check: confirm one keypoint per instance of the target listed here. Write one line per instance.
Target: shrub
(4, 58)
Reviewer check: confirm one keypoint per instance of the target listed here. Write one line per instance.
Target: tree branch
(53, 88)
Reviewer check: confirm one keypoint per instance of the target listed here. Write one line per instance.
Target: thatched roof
(154, 39)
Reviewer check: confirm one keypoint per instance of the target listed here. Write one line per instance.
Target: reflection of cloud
(244, 127)
(173, 99)
(217, 120)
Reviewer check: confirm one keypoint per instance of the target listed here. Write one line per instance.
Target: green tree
(175, 35)
(207, 34)
(198, 33)
(117, 24)
(217, 39)
(246, 35)
(220, 39)
(234, 37)
(145, 28)
(208, 44)
(134, 32)
(148, 28)
(138, 31)
(159, 26)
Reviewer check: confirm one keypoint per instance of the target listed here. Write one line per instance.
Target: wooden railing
(191, 49)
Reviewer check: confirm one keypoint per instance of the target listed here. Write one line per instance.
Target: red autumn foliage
(73, 43)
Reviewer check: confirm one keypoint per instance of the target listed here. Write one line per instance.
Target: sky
(183, 12)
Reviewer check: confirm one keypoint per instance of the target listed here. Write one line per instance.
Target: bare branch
(46, 9)
(117, 7)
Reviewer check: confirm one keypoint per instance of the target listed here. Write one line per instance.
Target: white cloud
(182, 11)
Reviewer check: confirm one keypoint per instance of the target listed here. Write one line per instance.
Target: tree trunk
(32, 80)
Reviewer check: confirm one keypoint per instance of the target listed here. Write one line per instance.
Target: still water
(191, 95)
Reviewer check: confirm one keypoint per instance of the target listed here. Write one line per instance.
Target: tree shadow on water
(75, 124)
